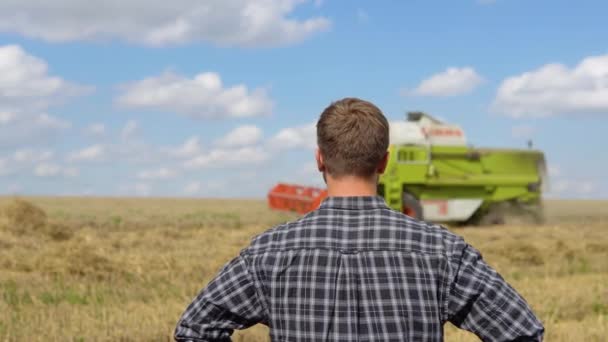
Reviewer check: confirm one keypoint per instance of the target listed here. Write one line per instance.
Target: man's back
(355, 270)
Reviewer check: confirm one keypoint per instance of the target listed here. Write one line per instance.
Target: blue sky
(219, 98)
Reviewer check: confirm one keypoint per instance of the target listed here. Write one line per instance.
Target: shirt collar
(354, 203)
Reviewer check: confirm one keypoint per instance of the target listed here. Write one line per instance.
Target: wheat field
(102, 269)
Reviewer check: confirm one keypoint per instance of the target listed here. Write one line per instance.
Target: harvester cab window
(413, 155)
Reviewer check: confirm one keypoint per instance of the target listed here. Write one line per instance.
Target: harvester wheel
(494, 216)
(411, 206)
(538, 215)
(509, 212)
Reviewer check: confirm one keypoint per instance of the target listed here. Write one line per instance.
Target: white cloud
(451, 82)
(247, 135)
(210, 188)
(192, 188)
(95, 129)
(25, 158)
(221, 157)
(54, 170)
(203, 96)
(71, 172)
(157, 23)
(136, 189)
(134, 151)
(90, 154)
(295, 137)
(28, 155)
(572, 187)
(7, 117)
(46, 120)
(26, 91)
(585, 187)
(564, 184)
(25, 82)
(157, 174)
(554, 170)
(188, 149)
(555, 89)
(18, 129)
(129, 129)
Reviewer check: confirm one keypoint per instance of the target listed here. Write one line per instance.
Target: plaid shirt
(355, 270)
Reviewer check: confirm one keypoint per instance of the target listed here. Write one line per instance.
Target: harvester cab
(423, 129)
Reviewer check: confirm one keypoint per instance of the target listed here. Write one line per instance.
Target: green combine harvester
(433, 175)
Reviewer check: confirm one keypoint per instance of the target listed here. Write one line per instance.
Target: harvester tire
(494, 216)
(411, 206)
(509, 213)
(490, 216)
(538, 215)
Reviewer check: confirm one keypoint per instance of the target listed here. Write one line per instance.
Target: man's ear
(383, 163)
(320, 163)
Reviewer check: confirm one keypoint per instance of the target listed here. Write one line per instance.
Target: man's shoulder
(273, 236)
(401, 232)
(438, 237)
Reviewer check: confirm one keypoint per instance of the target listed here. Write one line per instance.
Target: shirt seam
(351, 250)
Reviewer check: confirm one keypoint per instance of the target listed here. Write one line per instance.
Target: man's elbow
(536, 334)
(183, 333)
(200, 333)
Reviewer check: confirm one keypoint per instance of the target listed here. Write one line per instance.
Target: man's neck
(350, 186)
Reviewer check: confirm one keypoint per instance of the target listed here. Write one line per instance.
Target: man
(355, 270)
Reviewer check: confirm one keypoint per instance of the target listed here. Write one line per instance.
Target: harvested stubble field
(91, 269)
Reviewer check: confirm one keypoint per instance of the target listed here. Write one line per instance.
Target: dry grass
(124, 269)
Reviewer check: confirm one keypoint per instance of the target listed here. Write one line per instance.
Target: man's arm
(228, 302)
(482, 302)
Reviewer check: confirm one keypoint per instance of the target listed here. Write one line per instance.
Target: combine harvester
(434, 175)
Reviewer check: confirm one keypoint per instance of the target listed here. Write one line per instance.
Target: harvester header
(298, 198)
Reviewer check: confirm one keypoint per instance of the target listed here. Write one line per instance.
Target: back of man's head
(353, 138)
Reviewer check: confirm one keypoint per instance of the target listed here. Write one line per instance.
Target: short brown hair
(352, 135)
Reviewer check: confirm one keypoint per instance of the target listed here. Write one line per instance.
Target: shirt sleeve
(228, 302)
(482, 302)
